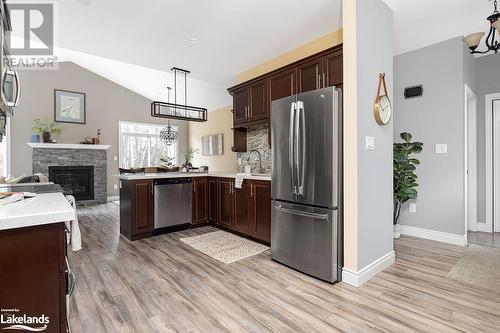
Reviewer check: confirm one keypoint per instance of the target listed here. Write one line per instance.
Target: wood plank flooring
(484, 239)
(162, 285)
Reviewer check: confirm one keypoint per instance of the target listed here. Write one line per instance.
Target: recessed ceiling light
(193, 40)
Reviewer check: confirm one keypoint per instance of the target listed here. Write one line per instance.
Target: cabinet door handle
(252, 189)
(324, 80)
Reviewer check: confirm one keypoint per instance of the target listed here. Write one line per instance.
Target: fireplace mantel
(67, 146)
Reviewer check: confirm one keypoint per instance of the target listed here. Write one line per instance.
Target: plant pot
(396, 231)
(46, 137)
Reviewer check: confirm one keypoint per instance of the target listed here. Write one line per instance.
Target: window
(141, 146)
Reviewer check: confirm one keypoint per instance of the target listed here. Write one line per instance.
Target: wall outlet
(441, 148)
(115, 186)
(370, 143)
(412, 208)
(115, 158)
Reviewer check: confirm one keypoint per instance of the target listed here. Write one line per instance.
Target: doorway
(492, 130)
(470, 160)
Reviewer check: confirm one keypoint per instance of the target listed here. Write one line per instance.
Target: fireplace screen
(75, 180)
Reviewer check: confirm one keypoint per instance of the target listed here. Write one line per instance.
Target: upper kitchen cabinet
(333, 68)
(282, 84)
(310, 75)
(250, 104)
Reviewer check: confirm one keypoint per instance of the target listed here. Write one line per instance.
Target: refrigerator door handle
(291, 146)
(297, 147)
(302, 213)
(301, 116)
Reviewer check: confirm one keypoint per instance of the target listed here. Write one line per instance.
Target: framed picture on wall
(69, 107)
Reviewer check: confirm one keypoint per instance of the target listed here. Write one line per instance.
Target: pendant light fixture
(180, 109)
(169, 134)
(492, 44)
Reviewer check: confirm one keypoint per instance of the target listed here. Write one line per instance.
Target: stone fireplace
(81, 170)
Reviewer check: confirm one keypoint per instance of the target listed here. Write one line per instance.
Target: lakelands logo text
(24, 322)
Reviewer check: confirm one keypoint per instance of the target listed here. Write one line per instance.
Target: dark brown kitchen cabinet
(282, 84)
(200, 200)
(243, 221)
(333, 68)
(136, 208)
(250, 104)
(261, 205)
(212, 200)
(309, 75)
(241, 101)
(225, 202)
(34, 274)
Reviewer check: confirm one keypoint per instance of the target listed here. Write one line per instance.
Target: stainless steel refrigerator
(306, 228)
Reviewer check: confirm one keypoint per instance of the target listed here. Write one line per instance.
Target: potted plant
(188, 153)
(46, 128)
(405, 179)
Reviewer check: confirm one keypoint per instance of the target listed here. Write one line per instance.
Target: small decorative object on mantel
(180, 109)
(46, 128)
(492, 45)
(382, 109)
(87, 141)
(405, 179)
(69, 107)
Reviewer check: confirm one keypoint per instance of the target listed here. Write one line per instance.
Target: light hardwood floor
(162, 285)
(484, 239)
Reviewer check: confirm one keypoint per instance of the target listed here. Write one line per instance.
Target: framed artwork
(69, 107)
(212, 145)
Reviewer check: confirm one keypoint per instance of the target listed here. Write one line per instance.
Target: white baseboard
(114, 198)
(438, 236)
(357, 279)
(483, 227)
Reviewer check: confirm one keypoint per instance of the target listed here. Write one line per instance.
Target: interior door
(317, 147)
(282, 149)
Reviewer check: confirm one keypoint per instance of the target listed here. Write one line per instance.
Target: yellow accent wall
(219, 121)
(327, 41)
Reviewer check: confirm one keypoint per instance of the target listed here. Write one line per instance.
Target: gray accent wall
(435, 118)
(374, 55)
(488, 82)
(107, 104)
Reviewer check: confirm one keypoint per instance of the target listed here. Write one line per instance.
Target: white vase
(396, 231)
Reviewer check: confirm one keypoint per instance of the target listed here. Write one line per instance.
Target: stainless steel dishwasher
(172, 204)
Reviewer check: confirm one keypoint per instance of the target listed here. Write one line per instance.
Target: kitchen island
(214, 200)
(34, 269)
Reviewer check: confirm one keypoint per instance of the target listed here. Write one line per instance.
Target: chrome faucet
(261, 170)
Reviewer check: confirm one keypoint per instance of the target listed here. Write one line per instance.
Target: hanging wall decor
(382, 109)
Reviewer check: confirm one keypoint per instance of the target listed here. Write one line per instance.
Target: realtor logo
(32, 29)
(10, 319)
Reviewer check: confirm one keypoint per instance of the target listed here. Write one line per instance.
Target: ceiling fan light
(496, 25)
(473, 40)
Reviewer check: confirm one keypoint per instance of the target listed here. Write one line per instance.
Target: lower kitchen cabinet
(243, 209)
(136, 208)
(212, 200)
(200, 200)
(225, 202)
(261, 205)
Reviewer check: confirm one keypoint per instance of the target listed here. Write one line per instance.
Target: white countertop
(43, 209)
(67, 146)
(164, 175)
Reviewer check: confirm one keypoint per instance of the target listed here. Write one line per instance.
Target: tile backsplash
(256, 139)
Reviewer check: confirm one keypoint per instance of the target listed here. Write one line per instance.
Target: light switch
(412, 208)
(115, 158)
(441, 148)
(370, 142)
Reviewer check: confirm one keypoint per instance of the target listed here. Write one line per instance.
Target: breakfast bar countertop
(43, 209)
(163, 175)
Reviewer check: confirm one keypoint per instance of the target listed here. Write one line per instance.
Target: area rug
(479, 266)
(224, 246)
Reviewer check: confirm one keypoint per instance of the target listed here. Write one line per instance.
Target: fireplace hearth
(77, 181)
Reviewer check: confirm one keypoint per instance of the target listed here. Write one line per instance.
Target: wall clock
(382, 109)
